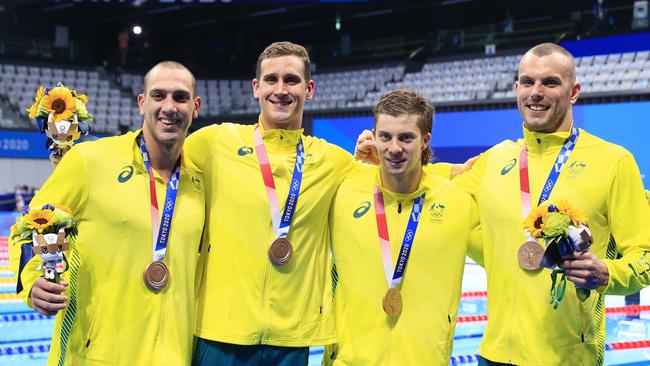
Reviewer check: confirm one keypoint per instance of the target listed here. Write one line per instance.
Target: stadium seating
(108, 105)
(621, 72)
(339, 90)
(5, 122)
(335, 90)
(449, 82)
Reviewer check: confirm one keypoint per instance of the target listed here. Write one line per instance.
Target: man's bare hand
(365, 150)
(586, 270)
(47, 297)
(459, 168)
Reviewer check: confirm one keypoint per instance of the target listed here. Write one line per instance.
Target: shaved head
(169, 65)
(547, 49)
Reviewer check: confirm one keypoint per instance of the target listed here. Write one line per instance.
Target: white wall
(32, 172)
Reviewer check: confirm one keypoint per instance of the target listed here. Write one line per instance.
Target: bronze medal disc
(280, 251)
(392, 302)
(530, 255)
(156, 276)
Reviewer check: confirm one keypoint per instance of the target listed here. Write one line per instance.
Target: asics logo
(508, 167)
(125, 174)
(361, 210)
(244, 150)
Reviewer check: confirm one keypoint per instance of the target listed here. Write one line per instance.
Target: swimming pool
(25, 335)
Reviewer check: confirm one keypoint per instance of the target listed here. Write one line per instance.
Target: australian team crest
(437, 211)
(576, 168)
(196, 184)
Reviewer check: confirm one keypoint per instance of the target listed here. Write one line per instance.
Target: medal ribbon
(553, 176)
(161, 227)
(281, 225)
(384, 243)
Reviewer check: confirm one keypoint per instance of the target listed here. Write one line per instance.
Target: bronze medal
(392, 302)
(156, 276)
(280, 251)
(530, 255)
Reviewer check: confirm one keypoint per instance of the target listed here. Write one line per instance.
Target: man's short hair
(406, 101)
(545, 49)
(278, 49)
(170, 65)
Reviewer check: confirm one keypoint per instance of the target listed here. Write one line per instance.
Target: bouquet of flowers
(46, 231)
(564, 230)
(61, 114)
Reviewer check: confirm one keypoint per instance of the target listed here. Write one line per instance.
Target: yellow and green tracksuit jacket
(111, 317)
(244, 299)
(600, 178)
(423, 333)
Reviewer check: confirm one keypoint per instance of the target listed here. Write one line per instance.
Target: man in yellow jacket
(399, 241)
(106, 311)
(596, 176)
(266, 292)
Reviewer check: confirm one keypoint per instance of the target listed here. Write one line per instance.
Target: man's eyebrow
(552, 78)
(176, 91)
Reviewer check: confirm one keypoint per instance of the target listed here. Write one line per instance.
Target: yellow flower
(13, 230)
(81, 97)
(33, 110)
(82, 112)
(647, 196)
(534, 223)
(60, 102)
(577, 216)
(39, 220)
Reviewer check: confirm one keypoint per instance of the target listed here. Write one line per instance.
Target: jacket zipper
(163, 298)
(389, 353)
(514, 297)
(448, 328)
(264, 321)
(163, 311)
(391, 320)
(327, 264)
(514, 306)
(91, 329)
(264, 317)
(582, 324)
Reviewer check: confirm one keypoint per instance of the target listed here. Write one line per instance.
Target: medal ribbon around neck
(553, 176)
(161, 227)
(394, 278)
(281, 225)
